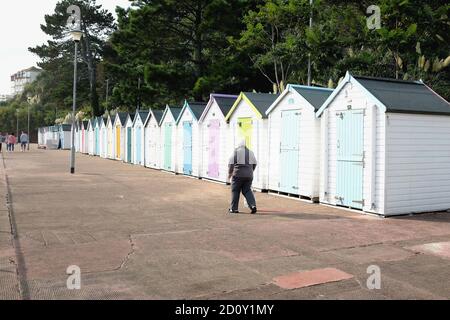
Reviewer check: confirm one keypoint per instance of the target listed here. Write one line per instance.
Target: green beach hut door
(289, 151)
(129, 144)
(246, 130)
(187, 147)
(350, 158)
(168, 146)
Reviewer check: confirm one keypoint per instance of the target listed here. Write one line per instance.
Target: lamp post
(76, 36)
(29, 100)
(28, 129)
(74, 24)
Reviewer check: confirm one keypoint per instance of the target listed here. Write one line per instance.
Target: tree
(180, 49)
(274, 39)
(97, 24)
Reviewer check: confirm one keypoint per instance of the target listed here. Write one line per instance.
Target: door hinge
(361, 202)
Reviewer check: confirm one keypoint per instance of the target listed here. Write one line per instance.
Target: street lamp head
(76, 35)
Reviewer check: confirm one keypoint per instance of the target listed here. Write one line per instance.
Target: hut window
(291, 101)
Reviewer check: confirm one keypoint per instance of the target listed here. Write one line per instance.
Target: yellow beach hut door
(118, 142)
(246, 130)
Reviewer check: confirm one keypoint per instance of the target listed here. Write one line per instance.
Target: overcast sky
(20, 22)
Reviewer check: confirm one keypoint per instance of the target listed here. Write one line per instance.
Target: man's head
(242, 143)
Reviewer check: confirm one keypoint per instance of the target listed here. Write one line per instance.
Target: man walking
(23, 141)
(11, 142)
(240, 170)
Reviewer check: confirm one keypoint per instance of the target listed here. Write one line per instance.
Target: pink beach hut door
(214, 148)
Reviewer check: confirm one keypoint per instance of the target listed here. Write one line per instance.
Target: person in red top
(11, 142)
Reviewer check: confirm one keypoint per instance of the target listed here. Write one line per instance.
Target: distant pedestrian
(2, 140)
(241, 165)
(11, 142)
(24, 139)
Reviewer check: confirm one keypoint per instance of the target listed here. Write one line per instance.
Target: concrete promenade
(138, 233)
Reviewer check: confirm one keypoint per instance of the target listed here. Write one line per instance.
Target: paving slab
(311, 278)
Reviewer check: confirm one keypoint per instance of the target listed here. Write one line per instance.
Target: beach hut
(188, 137)
(77, 137)
(138, 137)
(248, 120)
(119, 135)
(214, 137)
(385, 147)
(65, 131)
(110, 137)
(97, 135)
(91, 133)
(129, 138)
(103, 138)
(152, 139)
(168, 139)
(84, 137)
(294, 141)
(41, 137)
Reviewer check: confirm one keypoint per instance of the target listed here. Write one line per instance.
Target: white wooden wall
(129, 124)
(374, 147)
(103, 146)
(187, 116)
(91, 140)
(169, 119)
(214, 113)
(152, 142)
(259, 141)
(309, 148)
(418, 163)
(110, 141)
(137, 124)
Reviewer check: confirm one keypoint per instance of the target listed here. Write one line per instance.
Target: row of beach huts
(377, 145)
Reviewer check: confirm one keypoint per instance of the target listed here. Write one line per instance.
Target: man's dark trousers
(243, 185)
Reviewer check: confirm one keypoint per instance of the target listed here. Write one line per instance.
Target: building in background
(22, 78)
(5, 97)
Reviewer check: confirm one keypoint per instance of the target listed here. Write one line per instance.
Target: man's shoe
(233, 211)
(254, 210)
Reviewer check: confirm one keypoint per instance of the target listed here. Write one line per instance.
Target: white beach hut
(138, 137)
(294, 141)
(103, 138)
(385, 147)
(248, 120)
(214, 137)
(188, 139)
(110, 137)
(129, 139)
(91, 136)
(152, 139)
(169, 139)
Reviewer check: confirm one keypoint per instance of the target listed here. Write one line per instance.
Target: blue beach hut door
(289, 151)
(350, 158)
(187, 147)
